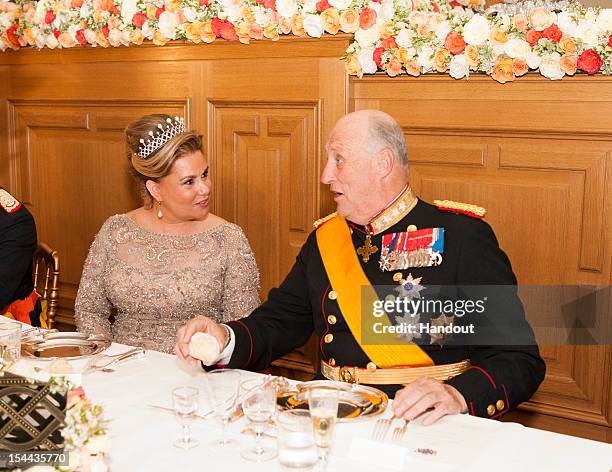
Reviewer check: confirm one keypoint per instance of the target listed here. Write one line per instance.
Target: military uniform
(500, 376)
(17, 246)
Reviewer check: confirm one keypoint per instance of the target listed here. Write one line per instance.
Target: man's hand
(424, 394)
(194, 325)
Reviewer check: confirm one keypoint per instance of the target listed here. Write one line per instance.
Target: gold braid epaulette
(458, 207)
(320, 221)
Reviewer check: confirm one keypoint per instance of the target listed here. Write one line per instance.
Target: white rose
(313, 25)
(541, 18)
(41, 11)
(340, 4)
(100, 443)
(147, 31)
(425, 59)
(387, 11)
(369, 37)
(504, 22)
(442, 30)
(167, 24)
(566, 24)
(458, 67)
(404, 38)
(262, 17)
(588, 33)
(232, 12)
(604, 21)
(98, 464)
(125, 38)
(40, 41)
(128, 10)
(86, 11)
(72, 31)
(90, 37)
(114, 38)
(5, 21)
(477, 30)
(190, 14)
(366, 59)
(497, 49)
(286, 8)
(550, 66)
(3, 45)
(517, 48)
(310, 6)
(533, 60)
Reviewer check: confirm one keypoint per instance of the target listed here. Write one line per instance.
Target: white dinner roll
(205, 347)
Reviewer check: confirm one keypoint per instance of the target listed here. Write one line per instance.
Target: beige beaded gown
(153, 283)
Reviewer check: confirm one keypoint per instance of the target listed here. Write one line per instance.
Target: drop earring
(159, 210)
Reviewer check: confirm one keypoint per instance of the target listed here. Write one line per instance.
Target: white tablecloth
(142, 437)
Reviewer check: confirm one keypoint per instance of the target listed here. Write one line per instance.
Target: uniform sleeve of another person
(92, 308)
(281, 324)
(241, 279)
(506, 365)
(17, 246)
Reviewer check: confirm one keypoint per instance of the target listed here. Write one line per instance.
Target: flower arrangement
(395, 36)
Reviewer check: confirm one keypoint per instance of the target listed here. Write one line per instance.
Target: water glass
(296, 447)
(185, 403)
(259, 404)
(10, 343)
(323, 406)
(223, 387)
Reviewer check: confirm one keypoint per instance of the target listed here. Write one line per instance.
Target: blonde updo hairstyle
(159, 163)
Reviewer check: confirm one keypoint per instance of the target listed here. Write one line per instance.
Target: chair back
(46, 278)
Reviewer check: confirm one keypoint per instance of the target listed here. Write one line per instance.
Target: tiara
(162, 136)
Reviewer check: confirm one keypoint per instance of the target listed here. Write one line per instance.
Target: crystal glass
(258, 403)
(296, 447)
(223, 388)
(323, 406)
(10, 343)
(185, 402)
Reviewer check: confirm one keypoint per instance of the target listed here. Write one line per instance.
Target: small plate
(355, 402)
(69, 346)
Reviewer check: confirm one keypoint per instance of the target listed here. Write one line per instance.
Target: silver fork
(398, 433)
(380, 429)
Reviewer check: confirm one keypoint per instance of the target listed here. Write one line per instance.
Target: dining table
(137, 402)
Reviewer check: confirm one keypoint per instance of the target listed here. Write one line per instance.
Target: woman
(160, 265)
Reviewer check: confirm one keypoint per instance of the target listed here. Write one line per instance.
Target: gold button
(397, 276)
(500, 405)
(332, 362)
(331, 319)
(371, 366)
(411, 228)
(328, 338)
(332, 295)
(491, 410)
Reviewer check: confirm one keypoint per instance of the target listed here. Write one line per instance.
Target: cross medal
(367, 249)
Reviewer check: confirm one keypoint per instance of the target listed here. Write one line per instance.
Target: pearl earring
(159, 211)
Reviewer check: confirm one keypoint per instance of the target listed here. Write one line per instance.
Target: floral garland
(395, 36)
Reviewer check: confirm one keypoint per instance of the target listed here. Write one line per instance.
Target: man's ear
(153, 189)
(385, 162)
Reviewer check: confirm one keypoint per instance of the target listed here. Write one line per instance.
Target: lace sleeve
(92, 308)
(241, 281)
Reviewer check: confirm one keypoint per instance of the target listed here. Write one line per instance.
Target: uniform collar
(397, 209)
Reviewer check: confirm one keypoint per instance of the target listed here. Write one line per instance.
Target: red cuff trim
(250, 339)
(324, 321)
(472, 408)
(486, 373)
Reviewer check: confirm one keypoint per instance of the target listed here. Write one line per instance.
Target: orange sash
(356, 298)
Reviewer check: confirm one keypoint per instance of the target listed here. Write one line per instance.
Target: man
(18, 300)
(385, 236)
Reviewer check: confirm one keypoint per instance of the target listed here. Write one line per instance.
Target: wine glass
(323, 406)
(185, 402)
(223, 388)
(258, 403)
(10, 343)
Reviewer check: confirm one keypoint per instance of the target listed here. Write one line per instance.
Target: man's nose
(327, 176)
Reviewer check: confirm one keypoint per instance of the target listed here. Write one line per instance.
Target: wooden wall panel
(538, 157)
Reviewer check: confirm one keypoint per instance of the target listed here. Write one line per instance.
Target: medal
(420, 248)
(367, 249)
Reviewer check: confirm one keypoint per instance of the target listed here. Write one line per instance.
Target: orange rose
(270, 32)
(28, 36)
(386, 29)
(193, 32)
(471, 54)
(475, 4)
(455, 43)
(101, 39)
(180, 17)
(256, 32)
(98, 16)
(502, 72)
(284, 24)
(567, 44)
(136, 37)
(417, 18)
(159, 39)
(66, 40)
(568, 63)
(208, 35)
(498, 36)
(349, 20)
(297, 25)
(441, 58)
(367, 18)
(412, 68)
(104, 5)
(76, 3)
(402, 55)
(519, 67)
(172, 6)
(151, 11)
(520, 22)
(394, 67)
(331, 20)
(352, 65)
(247, 15)
(113, 22)
(423, 30)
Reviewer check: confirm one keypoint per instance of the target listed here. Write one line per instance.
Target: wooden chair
(46, 278)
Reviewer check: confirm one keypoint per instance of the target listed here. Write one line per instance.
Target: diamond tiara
(162, 136)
